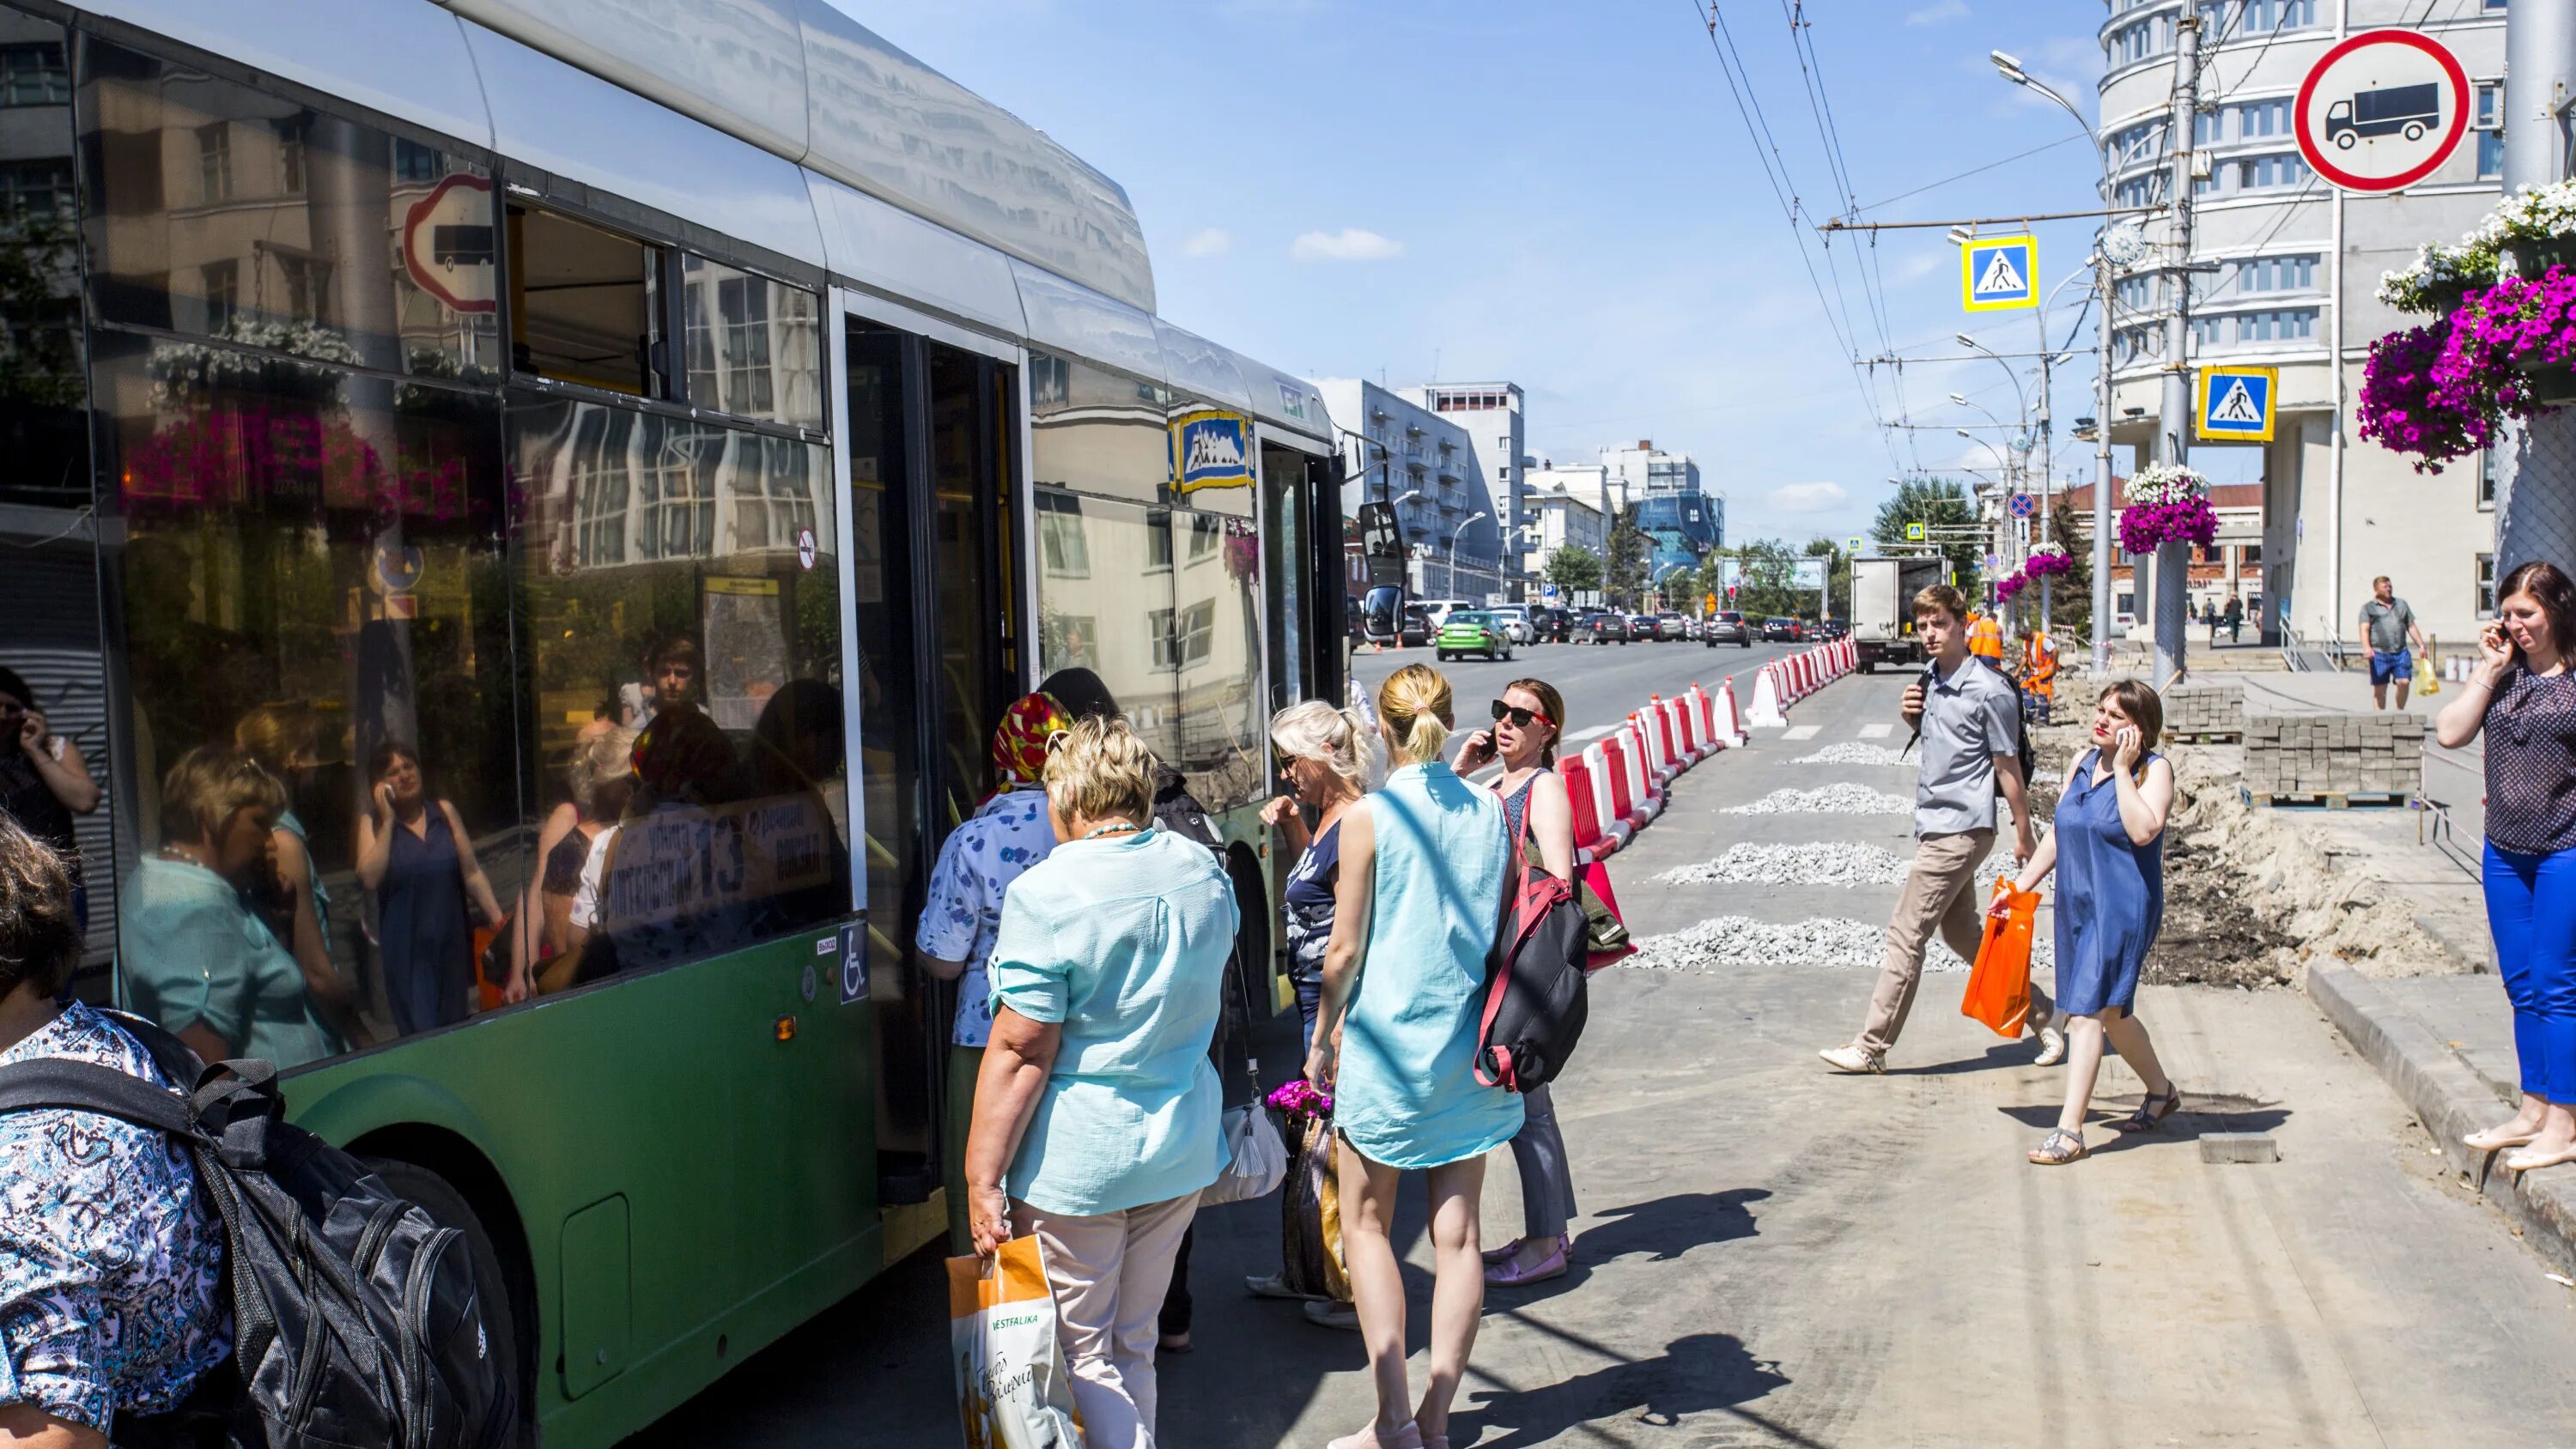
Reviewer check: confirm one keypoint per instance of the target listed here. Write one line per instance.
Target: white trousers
(1109, 1272)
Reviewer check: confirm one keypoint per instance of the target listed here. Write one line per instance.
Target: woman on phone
(2522, 696)
(1527, 720)
(2107, 847)
(413, 852)
(44, 782)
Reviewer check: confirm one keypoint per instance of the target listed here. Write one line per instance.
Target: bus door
(1301, 534)
(931, 440)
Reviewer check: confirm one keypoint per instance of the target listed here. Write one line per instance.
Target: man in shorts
(2387, 624)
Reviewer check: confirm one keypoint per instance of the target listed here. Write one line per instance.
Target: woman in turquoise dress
(197, 959)
(2107, 847)
(1424, 863)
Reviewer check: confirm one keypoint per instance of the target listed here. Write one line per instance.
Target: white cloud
(1939, 11)
(1350, 244)
(1922, 264)
(1214, 241)
(1809, 497)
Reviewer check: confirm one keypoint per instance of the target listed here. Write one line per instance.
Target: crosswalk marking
(1876, 731)
(1800, 732)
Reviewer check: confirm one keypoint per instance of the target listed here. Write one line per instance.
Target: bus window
(582, 303)
(754, 346)
(237, 216)
(318, 643)
(1217, 656)
(678, 579)
(973, 541)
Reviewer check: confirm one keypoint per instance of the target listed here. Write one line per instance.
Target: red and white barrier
(1765, 713)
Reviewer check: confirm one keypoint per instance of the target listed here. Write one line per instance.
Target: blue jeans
(2385, 667)
(2531, 909)
(1310, 1001)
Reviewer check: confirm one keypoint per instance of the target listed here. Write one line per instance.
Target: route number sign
(2382, 110)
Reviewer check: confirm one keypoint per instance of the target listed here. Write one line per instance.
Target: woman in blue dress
(1424, 863)
(414, 853)
(2107, 847)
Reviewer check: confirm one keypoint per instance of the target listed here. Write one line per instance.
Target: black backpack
(1536, 999)
(355, 1317)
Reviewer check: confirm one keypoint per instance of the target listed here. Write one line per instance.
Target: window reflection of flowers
(182, 371)
(1242, 552)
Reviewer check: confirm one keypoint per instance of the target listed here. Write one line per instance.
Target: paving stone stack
(2205, 711)
(2334, 754)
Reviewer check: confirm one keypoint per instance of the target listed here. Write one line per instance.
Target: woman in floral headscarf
(1007, 834)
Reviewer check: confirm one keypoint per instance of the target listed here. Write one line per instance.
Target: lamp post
(2010, 69)
(1453, 551)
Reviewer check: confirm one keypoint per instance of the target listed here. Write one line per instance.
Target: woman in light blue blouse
(1424, 864)
(1096, 1114)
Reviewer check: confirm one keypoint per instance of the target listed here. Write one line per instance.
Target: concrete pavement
(1768, 1254)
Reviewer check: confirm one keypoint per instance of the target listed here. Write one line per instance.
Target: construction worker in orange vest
(1986, 639)
(2038, 675)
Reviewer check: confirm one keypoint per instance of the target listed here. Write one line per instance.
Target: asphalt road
(1596, 679)
(1769, 1254)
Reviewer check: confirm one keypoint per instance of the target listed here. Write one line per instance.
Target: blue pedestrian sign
(1999, 274)
(2237, 404)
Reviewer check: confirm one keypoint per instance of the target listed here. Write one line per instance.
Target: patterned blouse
(964, 910)
(1311, 898)
(2531, 763)
(111, 1270)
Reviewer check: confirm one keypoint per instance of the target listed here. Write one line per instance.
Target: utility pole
(2173, 426)
(2538, 519)
(2102, 481)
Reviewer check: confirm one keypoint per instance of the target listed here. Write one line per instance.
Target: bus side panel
(668, 1088)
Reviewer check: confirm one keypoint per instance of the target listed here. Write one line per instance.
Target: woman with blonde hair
(197, 959)
(1424, 866)
(2107, 847)
(1096, 1114)
(601, 778)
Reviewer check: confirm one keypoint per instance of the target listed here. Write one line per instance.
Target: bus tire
(507, 1303)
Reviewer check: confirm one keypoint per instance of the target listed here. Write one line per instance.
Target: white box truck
(1882, 622)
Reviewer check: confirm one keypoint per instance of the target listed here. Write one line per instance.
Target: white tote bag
(1012, 1386)
(1256, 1159)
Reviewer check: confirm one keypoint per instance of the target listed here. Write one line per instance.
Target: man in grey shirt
(1970, 732)
(2386, 624)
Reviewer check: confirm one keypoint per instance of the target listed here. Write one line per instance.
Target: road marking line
(1800, 732)
(1594, 733)
(1876, 731)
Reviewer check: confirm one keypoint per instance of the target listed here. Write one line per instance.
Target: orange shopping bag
(1999, 986)
(1012, 1386)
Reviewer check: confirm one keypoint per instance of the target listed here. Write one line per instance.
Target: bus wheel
(505, 1306)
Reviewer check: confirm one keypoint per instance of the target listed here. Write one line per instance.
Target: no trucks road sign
(2382, 110)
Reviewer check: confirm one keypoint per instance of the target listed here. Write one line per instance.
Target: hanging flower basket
(2008, 586)
(2440, 279)
(2045, 560)
(2167, 504)
(2411, 403)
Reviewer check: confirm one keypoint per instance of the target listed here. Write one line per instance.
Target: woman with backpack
(1425, 863)
(111, 1263)
(1527, 721)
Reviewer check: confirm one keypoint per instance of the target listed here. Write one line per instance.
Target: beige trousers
(1109, 1272)
(1940, 894)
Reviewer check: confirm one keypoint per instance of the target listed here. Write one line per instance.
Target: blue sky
(1565, 196)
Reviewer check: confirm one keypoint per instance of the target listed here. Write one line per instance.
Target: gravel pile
(1839, 799)
(1852, 755)
(1731, 941)
(1823, 863)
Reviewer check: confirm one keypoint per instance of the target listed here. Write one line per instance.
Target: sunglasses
(1520, 717)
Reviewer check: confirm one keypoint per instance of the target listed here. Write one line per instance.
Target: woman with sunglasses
(1527, 722)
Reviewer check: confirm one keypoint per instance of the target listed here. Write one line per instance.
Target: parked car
(1781, 631)
(1473, 631)
(1726, 626)
(1515, 619)
(1602, 628)
(1416, 628)
(1670, 625)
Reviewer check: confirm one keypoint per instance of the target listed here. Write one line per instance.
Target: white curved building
(2286, 268)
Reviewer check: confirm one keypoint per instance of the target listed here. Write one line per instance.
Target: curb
(2451, 1101)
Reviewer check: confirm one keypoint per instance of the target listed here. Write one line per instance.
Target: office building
(1395, 450)
(1491, 414)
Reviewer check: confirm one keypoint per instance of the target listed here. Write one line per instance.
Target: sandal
(2059, 1148)
(2149, 1115)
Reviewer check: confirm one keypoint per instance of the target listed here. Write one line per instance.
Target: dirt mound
(2250, 900)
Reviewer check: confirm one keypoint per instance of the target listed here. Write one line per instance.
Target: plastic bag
(1012, 1386)
(1999, 986)
(1256, 1159)
(1310, 1218)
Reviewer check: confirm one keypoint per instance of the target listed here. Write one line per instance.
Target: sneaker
(1272, 1285)
(1856, 1060)
(1324, 1313)
(2052, 1047)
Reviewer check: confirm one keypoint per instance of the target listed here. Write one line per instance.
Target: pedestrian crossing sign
(1914, 533)
(2237, 404)
(1999, 274)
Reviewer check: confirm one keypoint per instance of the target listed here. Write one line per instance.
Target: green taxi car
(1473, 631)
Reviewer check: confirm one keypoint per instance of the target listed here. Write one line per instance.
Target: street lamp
(1453, 550)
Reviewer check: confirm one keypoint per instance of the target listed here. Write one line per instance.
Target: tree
(1629, 546)
(2071, 593)
(1574, 567)
(1837, 572)
(1770, 579)
(1937, 503)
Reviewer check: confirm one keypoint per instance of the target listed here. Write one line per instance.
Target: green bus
(418, 397)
